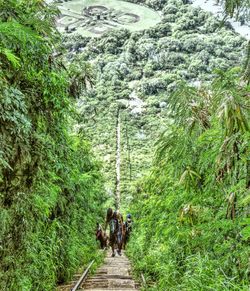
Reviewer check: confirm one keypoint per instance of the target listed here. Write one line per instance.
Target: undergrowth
(191, 213)
(51, 188)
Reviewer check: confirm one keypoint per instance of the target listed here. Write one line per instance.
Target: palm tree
(81, 77)
(236, 7)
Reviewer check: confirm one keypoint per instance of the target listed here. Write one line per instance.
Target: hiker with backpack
(128, 227)
(101, 236)
(120, 234)
(112, 221)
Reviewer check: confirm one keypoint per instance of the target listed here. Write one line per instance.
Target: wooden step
(113, 275)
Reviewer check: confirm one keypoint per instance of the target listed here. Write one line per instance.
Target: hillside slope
(136, 72)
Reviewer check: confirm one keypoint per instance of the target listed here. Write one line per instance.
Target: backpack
(129, 225)
(113, 224)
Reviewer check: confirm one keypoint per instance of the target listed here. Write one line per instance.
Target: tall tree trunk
(118, 160)
(128, 149)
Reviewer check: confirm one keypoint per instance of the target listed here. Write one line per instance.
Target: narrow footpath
(114, 274)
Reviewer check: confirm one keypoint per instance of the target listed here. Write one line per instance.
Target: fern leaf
(12, 58)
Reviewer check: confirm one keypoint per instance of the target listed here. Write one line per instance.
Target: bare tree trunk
(128, 148)
(118, 161)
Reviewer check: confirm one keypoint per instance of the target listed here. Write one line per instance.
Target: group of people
(119, 231)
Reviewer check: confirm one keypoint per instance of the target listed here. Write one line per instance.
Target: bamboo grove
(193, 209)
(50, 182)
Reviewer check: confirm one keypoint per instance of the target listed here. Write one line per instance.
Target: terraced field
(94, 17)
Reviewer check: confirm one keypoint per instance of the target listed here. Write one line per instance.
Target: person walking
(128, 227)
(120, 234)
(112, 221)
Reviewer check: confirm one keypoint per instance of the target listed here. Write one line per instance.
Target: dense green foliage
(192, 211)
(136, 72)
(50, 183)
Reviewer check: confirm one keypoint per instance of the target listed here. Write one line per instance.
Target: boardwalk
(114, 274)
